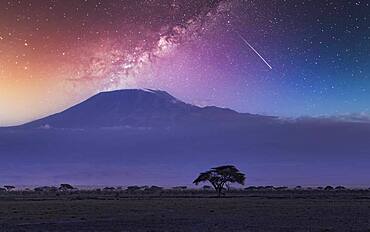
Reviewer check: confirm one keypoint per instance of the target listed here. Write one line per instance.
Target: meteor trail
(249, 45)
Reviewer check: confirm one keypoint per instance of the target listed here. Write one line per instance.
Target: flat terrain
(186, 211)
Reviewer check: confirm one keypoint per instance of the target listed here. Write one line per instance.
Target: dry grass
(186, 211)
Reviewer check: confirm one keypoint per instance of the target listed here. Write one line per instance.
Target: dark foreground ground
(186, 211)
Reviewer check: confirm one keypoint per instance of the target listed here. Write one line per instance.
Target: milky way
(56, 53)
(116, 60)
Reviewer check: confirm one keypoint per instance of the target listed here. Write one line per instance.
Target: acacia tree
(220, 177)
(66, 187)
(9, 187)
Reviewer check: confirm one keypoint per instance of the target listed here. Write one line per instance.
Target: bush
(154, 189)
(46, 189)
(109, 189)
(281, 188)
(9, 187)
(133, 188)
(65, 187)
(207, 187)
(179, 188)
(340, 188)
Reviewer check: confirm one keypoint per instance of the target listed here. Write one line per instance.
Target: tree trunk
(219, 190)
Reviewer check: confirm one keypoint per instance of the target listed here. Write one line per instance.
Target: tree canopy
(221, 176)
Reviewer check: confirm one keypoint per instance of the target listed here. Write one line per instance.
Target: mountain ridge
(136, 108)
(156, 108)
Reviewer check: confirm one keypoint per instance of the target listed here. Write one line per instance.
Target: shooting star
(255, 51)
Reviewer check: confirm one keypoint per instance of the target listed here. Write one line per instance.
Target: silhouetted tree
(298, 187)
(269, 188)
(340, 188)
(9, 187)
(109, 189)
(133, 188)
(251, 188)
(220, 176)
(65, 187)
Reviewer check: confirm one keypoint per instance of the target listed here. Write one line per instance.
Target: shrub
(109, 189)
(9, 187)
(46, 189)
(179, 188)
(65, 187)
(340, 188)
(207, 187)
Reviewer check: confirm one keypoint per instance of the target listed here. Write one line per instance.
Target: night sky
(55, 53)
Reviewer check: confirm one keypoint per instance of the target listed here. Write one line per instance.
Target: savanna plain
(186, 210)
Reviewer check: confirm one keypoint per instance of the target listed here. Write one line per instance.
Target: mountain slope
(134, 108)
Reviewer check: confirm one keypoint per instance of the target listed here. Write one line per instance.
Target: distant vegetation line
(153, 188)
(221, 179)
